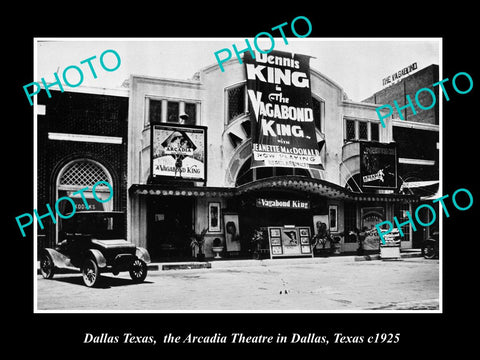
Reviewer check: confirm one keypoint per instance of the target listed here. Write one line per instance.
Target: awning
(175, 190)
(279, 183)
(417, 184)
(425, 190)
(318, 187)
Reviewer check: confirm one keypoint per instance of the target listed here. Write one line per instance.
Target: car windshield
(98, 225)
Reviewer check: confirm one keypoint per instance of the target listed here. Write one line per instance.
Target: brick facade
(418, 140)
(85, 114)
(423, 78)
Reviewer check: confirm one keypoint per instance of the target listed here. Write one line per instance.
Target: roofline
(164, 79)
(121, 92)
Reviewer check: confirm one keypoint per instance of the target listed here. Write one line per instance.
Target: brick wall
(423, 78)
(78, 113)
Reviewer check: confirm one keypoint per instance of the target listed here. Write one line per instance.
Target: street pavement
(318, 284)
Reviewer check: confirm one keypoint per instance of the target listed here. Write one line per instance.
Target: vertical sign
(280, 106)
(378, 165)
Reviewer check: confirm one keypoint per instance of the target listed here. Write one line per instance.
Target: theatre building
(417, 135)
(271, 145)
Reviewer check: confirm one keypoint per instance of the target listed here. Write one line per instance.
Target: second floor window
(361, 130)
(171, 111)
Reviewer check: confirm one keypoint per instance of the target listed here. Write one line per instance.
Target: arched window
(82, 173)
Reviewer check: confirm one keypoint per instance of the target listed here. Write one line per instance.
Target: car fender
(143, 254)
(59, 260)
(98, 257)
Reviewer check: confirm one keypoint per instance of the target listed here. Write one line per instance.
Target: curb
(227, 264)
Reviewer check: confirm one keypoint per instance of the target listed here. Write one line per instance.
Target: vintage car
(91, 241)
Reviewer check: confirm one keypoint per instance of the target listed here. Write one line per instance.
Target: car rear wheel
(47, 267)
(428, 251)
(90, 272)
(138, 270)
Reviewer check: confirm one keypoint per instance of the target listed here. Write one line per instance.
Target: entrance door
(170, 222)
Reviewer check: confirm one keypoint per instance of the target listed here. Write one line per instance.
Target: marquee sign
(179, 152)
(396, 76)
(282, 204)
(280, 106)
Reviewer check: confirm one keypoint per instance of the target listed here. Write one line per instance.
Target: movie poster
(378, 165)
(179, 152)
(280, 106)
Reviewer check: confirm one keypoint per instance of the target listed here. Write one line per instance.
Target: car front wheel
(138, 270)
(90, 272)
(47, 267)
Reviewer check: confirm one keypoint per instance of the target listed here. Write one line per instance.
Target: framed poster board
(178, 152)
(371, 216)
(289, 241)
(232, 232)
(378, 166)
(214, 217)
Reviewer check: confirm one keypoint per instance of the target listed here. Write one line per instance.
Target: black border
(422, 334)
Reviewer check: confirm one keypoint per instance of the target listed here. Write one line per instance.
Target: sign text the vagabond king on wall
(283, 128)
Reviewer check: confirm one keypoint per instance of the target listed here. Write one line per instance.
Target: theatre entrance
(268, 209)
(169, 226)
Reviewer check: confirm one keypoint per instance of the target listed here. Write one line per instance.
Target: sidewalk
(231, 263)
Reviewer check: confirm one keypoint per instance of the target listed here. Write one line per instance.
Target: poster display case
(289, 241)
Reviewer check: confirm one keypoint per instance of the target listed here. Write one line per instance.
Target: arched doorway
(77, 175)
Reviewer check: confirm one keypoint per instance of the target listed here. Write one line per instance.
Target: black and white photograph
(269, 182)
(292, 140)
